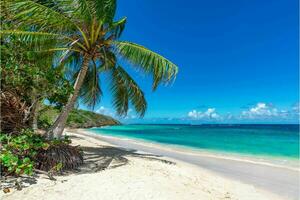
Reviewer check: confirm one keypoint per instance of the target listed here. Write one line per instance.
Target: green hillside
(77, 118)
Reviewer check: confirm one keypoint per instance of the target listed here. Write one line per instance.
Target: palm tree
(86, 33)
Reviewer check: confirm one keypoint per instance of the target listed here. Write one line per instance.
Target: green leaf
(43, 14)
(18, 171)
(91, 91)
(118, 27)
(104, 9)
(125, 90)
(45, 146)
(159, 67)
(26, 160)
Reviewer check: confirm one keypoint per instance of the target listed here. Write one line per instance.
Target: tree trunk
(57, 129)
(35, 116)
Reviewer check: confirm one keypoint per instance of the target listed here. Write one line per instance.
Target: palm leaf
(38, 40)
(120, 96)
(30, 33)
(159, 67)
(91, 91)
(136, 95)
(70, 63)
(125, 90)
(118, 27)
(43, 14)
(108, 59)
(104, 9)
(85, 10)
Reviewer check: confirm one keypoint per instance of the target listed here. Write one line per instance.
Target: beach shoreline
(288, 163)
(278, 179)
(132, 173)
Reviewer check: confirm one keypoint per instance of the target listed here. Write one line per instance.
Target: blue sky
(238, 60)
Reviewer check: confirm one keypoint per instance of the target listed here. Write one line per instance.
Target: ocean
(253, 140)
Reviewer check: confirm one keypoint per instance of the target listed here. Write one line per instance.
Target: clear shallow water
(259, 140)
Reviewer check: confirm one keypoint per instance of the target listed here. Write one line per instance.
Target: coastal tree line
(56, 51)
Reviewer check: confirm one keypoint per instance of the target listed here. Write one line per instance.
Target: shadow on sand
(95, 159)
(107, 157)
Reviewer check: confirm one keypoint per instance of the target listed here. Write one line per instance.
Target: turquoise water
(264, 140)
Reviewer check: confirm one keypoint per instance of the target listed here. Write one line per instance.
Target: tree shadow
(108, 157)
(95, 159)
(17, 182)
(75, 137)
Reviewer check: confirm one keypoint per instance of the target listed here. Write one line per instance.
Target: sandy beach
(275, 175)
(111, 172)
(149, 100)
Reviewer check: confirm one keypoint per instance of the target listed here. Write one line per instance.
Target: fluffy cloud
(259, 113)
(101, 109)
(264, 111)
(105, 111)
(130, 114)
(210, 113)
(260, 110)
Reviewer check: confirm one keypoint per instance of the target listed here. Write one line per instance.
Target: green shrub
(19, 152)
(76, 118)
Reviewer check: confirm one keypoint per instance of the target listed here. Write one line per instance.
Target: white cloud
(105, 111)
(296, 108)
(260, 110)
(266, 111)
(130, 114)
(101, 110)
(210, 113)
(193, 114)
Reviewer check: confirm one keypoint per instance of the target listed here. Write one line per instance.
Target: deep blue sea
(258, 140)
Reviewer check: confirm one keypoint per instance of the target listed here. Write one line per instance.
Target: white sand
(277, 176)
(129, 176)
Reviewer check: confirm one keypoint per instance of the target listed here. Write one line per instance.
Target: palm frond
(66, 50)
(159, 67)
(70, 63)
(91, 91)
(104, 9)
(28, 33)
(136, 95)
(108, 59)
(120, 96)
(38, 40)
(43, 14)
(84, 9)
(125, 90)
(118, 27)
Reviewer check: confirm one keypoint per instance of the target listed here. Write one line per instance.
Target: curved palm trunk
(60, 122)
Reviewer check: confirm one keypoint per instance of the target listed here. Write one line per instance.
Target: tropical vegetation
(56, 51)
(76, 119)
(21, 154)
